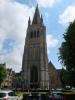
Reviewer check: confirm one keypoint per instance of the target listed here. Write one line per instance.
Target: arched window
(34, 74)
(31, 34)
(35, 34)
(38, 34)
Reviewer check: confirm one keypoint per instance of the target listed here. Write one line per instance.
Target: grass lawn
(69, 91)
(18, 93)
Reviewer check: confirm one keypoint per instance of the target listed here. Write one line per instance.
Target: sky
(14, 14)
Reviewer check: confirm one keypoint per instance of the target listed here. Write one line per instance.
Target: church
(35, 66)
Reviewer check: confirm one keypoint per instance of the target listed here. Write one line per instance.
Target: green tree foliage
(67, 52)
(64, 77)
(3, 73)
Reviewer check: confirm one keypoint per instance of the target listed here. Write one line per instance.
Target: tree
(64, 77)
(3, 72)
(67, 52)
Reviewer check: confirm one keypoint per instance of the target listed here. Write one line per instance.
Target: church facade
(35, 60)
(36, 71)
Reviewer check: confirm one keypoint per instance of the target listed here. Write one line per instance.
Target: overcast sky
(14, 14)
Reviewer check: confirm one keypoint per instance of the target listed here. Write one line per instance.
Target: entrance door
(34, 77)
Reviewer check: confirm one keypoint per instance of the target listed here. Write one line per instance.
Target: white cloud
(13, 25)
(47, 3)
(46, 14)
(68, 15)
(51, 42)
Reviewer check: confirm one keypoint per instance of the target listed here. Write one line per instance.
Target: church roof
(36, 18)
(51, 65)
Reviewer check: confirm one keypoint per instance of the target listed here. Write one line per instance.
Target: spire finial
(41, 19)
(29, 21)
(36, 18)
(37, 5)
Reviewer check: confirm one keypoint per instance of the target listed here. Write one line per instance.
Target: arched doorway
(34, 77)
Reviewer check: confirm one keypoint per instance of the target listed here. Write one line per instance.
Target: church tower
(35, 60)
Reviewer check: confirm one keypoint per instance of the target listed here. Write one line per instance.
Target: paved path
(20, 98)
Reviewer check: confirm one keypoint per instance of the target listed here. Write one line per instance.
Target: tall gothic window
(34, 34)
(31, 34)
(34, 74)
(38, 34)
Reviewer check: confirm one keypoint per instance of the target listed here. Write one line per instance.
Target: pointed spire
(29, 21)
(36, 18)
(41, 20)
